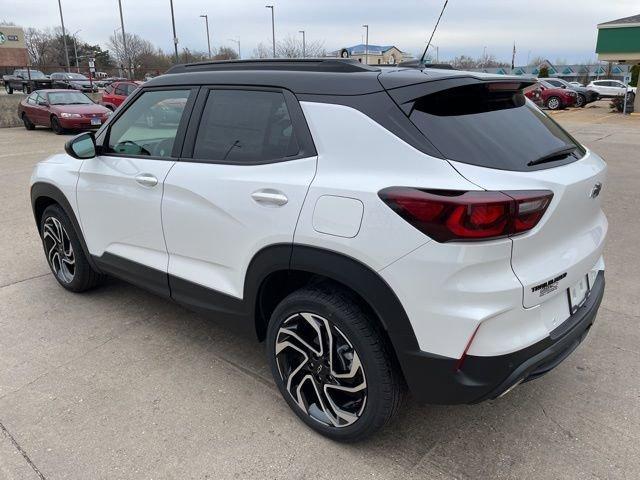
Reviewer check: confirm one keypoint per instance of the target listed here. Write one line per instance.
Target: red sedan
(553, 98)
(61, 110)
(116, 93)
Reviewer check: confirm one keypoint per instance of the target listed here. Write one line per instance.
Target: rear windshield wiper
(558, 154)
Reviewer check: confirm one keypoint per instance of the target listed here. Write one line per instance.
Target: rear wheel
(64, 253)
(581, 100)
(55, 126)
(28, 124)
(8, 88)
(553, 103)
(332, 365)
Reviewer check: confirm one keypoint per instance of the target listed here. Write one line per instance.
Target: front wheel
(332, 364)
(55, 126)
(553, 103)
(8, 88)
(64, 253)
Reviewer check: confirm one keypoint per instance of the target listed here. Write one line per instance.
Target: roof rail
(338, 65)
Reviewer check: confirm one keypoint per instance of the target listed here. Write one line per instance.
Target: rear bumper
(434, 379)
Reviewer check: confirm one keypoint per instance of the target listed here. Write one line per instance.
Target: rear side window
(491, 125)
(243, 126)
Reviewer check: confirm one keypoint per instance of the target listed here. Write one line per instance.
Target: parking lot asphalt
(120, 384)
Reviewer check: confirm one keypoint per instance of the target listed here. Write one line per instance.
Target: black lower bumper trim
(433, 379)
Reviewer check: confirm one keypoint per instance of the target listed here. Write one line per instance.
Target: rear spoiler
(406, 96)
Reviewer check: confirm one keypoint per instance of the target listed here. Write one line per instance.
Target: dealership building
(13, 49)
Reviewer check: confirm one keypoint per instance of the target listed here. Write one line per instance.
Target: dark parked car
(25, 80)
(61, 110)
(585, 95)
(75, 81)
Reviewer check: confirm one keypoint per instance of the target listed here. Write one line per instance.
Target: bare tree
(538, 60)
(38, 44)
(291, 47)
(7, 23)
(225, 53)
(261, 51)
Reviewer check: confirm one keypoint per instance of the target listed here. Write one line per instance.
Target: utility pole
(175, 37)
(75, 50)
(304, 46)
(124, 42)
(64, 37)
(206, 21)
(237, 42)
(273, 28)
(366, 48)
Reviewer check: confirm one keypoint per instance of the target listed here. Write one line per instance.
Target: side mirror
(82, 146)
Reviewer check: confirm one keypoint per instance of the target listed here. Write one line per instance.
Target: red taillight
(448, 216)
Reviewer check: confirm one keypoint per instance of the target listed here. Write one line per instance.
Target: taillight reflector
(448, 216)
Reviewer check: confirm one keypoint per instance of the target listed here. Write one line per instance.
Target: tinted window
(120, 90)
(245, 127)
(149, 125)
(489, 125)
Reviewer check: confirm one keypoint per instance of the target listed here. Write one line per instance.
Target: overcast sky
(564, 29)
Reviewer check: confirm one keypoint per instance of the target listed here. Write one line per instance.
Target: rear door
(239, 186)
(501, 143)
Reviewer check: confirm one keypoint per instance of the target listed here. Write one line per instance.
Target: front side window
(242, 126)
(149, 126)
(31, 99)
(121, 90)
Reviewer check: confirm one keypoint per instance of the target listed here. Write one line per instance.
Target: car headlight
(106, 114)
(70, 115)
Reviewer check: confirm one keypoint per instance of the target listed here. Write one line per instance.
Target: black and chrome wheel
(64, 252)
(331, 364)
(581, 101)
(60, 255)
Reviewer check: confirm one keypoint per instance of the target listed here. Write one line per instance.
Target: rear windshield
(492, 126)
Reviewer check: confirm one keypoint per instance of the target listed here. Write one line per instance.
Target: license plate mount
(96, 121)
(578, 293)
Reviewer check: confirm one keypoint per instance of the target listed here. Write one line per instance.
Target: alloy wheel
(321, 370)
(553, 103)
(59, 250)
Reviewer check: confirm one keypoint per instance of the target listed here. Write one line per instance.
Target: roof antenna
(433, 33)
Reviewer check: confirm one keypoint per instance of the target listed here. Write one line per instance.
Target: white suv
(610, 88)
(377, 228)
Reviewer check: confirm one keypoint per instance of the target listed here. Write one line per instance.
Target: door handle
(147, 180)
(269, 197)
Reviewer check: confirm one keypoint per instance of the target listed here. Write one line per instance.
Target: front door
(119, 191)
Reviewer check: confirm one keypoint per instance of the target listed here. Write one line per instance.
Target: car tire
(581, 101)
(55, 126)
(64, 252)
(8, 88)
(26, 90)
(360, 362)
(554, 103)
(28, 124)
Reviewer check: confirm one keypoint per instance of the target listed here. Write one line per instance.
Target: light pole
(304, 46)
(124, 41)
(273, 28)
(237, 42)
(175, 37)
(64, 37)
(75, 50)
(366, 48)
(206, 22)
